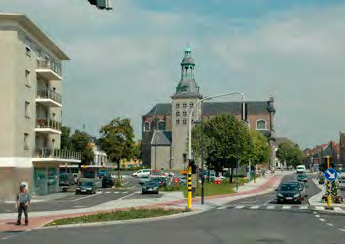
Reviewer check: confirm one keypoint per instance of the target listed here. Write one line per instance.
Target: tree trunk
(118, 170)
(231, 175)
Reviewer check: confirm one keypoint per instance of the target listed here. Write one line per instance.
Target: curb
(129, 221)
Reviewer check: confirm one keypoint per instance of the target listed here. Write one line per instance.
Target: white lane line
(286, 207)
(99, 192)
(255, 207)
(319, 208)
(126, 196)
(329, 224)
(266, 203)
(84, 197)
(239, 207)
(224, 207)
(116, 192)
(270, 207)
(317, 216)
(125, 192)
(343, 230)
(79, 206)
(303, 207)
(322, 220)
(108, 192)
(248, 202)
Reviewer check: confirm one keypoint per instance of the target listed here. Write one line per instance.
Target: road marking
(125, 192)
(337, 209)
(343, 230)
(116, 192)
(126, 196)
(79, 206)
(317, 216)
(239, 207)
(329, 224)
(266, 203)
(322, 220)
(108, 192)
(303, 207)
(255, 207)
(270, 207)
(99, 192)
(319, 208)
(286, 207)
(223, 207)
(314, 212)
(84, 197)
(247, 202)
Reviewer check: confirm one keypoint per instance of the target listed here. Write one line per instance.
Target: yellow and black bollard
(189, 186)
(329, 203)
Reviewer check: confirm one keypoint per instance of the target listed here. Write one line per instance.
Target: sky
(126, 60)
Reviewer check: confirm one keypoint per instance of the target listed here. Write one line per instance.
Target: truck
(301, 169)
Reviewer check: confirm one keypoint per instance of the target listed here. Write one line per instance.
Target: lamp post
(190, 124)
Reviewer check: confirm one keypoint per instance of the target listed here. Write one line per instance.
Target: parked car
(107, 181)
(143, 179)
(151, 186)
(66, 179)
(88, 187)
(141, 173)
(289, 192)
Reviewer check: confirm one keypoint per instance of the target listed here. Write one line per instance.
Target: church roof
(161, 138)
(213, 108)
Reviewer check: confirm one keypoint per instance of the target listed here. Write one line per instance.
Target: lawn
(118, 215)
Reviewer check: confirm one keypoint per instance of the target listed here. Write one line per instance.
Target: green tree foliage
(117, 140)
(65, 138)
(261, 149)
(137, 150)
(290, 153)
(79, 142)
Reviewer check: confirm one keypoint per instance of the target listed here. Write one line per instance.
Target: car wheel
(279, 201)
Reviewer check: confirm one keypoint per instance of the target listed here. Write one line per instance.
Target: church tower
(186, 96)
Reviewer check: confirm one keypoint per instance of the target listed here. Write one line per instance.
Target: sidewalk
(263, 185)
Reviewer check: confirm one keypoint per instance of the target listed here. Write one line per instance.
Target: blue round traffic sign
(331, 174)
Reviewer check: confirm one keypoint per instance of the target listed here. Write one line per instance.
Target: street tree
(117, 140)
(65, 138)
(260, 149)
(290, 153)
(137, 150)
(79, 142)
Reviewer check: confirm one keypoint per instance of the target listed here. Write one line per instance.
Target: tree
(79, 142)
(261, 149)
(117, 140)
(137, 150)
(65, 138)
(290, 153)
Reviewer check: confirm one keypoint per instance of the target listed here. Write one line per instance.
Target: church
(165, 126)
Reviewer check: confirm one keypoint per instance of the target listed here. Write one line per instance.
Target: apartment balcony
(48, 126)
(56, 155)
(49, 98)
(48, 70)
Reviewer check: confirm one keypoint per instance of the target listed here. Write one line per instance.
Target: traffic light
(101, 4)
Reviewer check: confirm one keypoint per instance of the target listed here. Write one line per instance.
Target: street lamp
(190, 127)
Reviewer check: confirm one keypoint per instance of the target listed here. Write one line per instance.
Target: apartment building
(30, 107)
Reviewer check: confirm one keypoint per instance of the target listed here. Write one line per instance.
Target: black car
(107, 182)
(151, 186)
(289, 192)
(86, 187)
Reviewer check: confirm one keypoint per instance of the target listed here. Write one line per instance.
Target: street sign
(331, 174)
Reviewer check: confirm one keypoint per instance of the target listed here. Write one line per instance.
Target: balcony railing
(49, 94)
(56, 153)
(48, 123)
(48, 64)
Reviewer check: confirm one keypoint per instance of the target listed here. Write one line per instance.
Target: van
(301, 169)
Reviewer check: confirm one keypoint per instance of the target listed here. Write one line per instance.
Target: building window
(191, 104)
(28, 47)
(147, 126)
(184, 121)
(27, 110)
(27, 77)
(261, 124)
(177, 113)
(177, 121)
(177, 105)
(184, 105)
(26, 141)
(161, 125)
(184, 113)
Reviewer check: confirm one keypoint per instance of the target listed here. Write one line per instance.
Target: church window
(261, 124)
(147, 126)
(177, 113)
(184, 105)
(184, 113)
(191, 104)
(177, 105)
(177, 121)
(184, 88)
(184, 121)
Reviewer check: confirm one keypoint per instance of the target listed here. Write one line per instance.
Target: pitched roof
(210, 108)
(161, 138)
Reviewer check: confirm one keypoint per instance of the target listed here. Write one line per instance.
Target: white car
(301, 169)
(141, 173)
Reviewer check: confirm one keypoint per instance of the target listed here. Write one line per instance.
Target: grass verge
(132, 213)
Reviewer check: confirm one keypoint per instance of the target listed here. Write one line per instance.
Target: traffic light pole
(189, 186)
(329, 204)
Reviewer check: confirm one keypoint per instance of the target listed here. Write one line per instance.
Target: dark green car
(87, 187)
(302, 177)
(151, 186)
(289, 192)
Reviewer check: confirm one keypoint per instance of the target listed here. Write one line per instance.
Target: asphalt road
(215, 226)
(270, 198)
(72, 201)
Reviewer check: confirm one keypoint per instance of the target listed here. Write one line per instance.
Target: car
(289, 192)
(161, 181)
(156, 174)
(143, 179)
(107, 181)
(300, 169)
(66, 179)
(302, 177)
(102, 173)
(151, 186)
(86, 187)
(141, 173)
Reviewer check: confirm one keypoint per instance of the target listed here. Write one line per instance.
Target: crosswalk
(111, 192)
(277, 207)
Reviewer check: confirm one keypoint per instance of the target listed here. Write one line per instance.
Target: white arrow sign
(331, 175)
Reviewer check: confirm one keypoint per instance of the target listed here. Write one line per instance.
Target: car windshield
(288, 187)
(87, 183)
